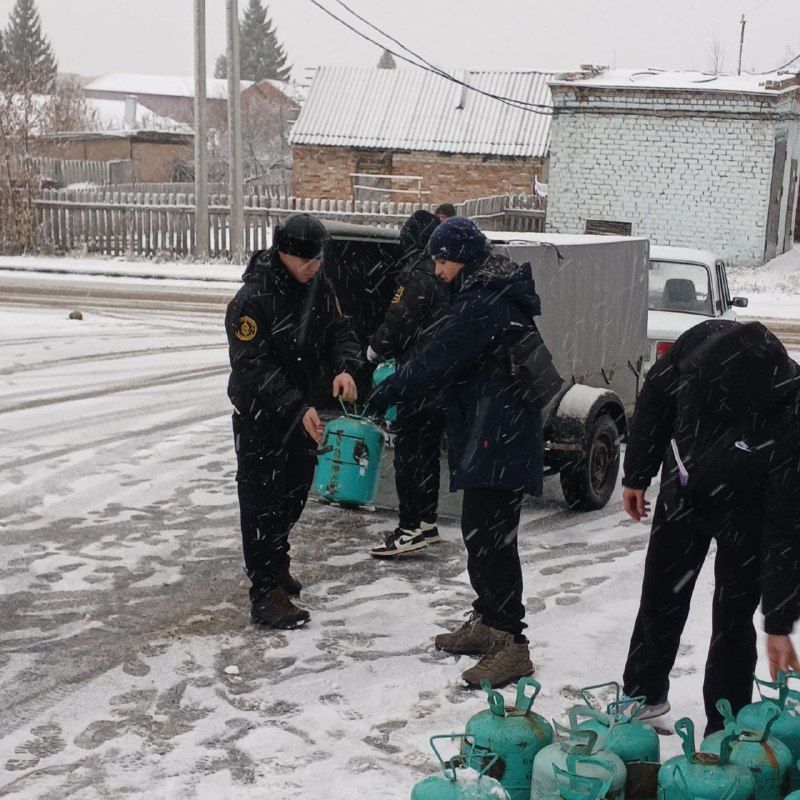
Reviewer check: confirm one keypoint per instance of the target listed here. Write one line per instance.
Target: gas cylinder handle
(589, 712)
(452, 775)
(681, 784)
(525, 701)
(574, 786)
(728, 717)
(586, 689)
(619, 707)
(497, 704)
(573, 736)
(778, 686)
(684, 727)
(726, 748)
(351, 414)
(573, 762)
(771, 713)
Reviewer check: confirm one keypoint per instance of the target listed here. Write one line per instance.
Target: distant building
(155, 155)
(391, 134)
(684, 158)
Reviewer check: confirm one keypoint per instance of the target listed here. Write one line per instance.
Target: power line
(421, 63)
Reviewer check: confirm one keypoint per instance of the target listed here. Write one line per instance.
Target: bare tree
(66, 109)
(716, 56)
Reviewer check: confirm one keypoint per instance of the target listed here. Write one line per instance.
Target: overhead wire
(421, 63)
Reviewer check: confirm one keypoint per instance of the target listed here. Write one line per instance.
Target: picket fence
(147, 223)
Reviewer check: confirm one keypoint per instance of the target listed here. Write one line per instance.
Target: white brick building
(686, 159)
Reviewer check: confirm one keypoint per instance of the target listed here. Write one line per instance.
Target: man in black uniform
(419, 306)
(284, 326)
(721, 410)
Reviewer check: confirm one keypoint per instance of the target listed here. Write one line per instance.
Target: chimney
(129, 121)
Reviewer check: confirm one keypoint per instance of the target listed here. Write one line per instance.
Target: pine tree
(261, 55)
(29, 57)
(387, 61)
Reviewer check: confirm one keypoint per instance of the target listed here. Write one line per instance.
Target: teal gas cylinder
(752, 747)
(793, 796)
(383, 371)
(787, 727)
(514, 734)
(349, 463)
(595, 763)
(458, 781)
(617, 728)
(703, 776)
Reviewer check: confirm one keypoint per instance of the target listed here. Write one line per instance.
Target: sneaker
(275, 610)
(473, 638)
(398, 543)
(430, 532)
(652, 710)
(504, 662)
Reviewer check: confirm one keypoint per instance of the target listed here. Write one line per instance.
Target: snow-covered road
(122, 600)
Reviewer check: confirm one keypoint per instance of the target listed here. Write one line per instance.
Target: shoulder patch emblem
(398, 294)
(247, 329)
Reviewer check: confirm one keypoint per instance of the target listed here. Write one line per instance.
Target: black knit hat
(458, 239)
(300, 235)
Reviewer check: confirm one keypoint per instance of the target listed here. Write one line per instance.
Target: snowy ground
(123, 604)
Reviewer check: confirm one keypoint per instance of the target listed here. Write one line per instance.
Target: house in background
(684, 158)
(397, 134)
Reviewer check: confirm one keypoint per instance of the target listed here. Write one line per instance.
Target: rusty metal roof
(404, 109)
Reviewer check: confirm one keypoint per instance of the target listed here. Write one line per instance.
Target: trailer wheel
(588, 483)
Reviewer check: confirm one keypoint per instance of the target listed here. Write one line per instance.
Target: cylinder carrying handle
(450, 771)
(525, 701)
(778, 686)
(571, 739)
(580, 787)
(728, 717)
(497, 705)
(586, 689)
(684, 727)
(588, 712)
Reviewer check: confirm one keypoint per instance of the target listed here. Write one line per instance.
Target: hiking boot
(290, 585)
(473, 638)
(398, 543)
(506, 661)
(430, 532)
(275, 610)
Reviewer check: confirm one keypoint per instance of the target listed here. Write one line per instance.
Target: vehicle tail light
(662, 348)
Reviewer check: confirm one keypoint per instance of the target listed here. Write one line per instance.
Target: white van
(686, 287)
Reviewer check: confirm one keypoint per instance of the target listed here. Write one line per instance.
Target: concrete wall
(687, 169)
(324, 172)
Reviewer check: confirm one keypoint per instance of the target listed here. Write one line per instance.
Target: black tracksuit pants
(274, 477)
(678, 547)
(417, 451)
(489, 523)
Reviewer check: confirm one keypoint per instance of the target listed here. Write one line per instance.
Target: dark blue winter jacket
(493, 438)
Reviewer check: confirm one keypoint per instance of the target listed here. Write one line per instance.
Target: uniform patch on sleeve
(247, 329)
(398, 294)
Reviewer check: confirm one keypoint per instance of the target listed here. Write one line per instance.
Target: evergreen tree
(261, 55)
(29, 57)
(387, 61)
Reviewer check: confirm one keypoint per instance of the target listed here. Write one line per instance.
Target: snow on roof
(167, 85)
(416, 110)
(689, 255)
(773, 83)
(294, 91)
(111, 115)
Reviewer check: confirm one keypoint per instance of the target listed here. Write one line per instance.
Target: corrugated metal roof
(401, 109)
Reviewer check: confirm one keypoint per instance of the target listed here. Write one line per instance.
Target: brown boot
(505, 661)
(276, 610)
(472, 638)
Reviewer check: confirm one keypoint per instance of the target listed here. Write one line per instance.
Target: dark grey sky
(97, 36)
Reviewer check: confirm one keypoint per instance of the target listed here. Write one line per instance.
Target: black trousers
(417, 450)
(274, 477)
(489, 523)
(678, 547)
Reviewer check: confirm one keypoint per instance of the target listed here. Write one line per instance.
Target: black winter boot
(291, 585)
(275, 610)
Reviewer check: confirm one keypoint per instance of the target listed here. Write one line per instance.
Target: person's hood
(740, 369)
(416, 232)
(504, 278)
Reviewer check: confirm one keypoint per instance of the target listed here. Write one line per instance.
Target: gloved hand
(372, 356)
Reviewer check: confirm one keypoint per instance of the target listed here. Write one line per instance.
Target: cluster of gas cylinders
(513, 753)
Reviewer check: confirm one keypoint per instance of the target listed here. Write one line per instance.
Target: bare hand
(634, 503)
(781, 655)
(313, 425)
(345, 387)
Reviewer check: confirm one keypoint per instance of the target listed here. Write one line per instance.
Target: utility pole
(741, 45)
(236, 180)
(200, 134)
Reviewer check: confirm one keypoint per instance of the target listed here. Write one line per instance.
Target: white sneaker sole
(653, 712)
(398, 552)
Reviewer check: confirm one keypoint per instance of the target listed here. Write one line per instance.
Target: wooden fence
(146, 223)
